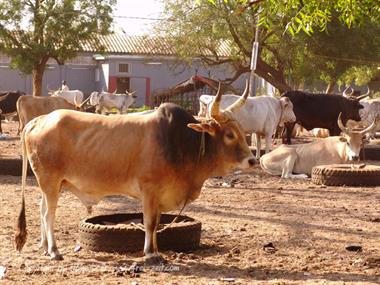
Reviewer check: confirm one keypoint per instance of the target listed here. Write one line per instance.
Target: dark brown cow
(8, 103)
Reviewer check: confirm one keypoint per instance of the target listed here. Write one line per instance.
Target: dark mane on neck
(180, 144)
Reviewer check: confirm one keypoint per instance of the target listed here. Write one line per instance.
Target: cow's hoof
(45, 253)
(155, 260)
(56, 256)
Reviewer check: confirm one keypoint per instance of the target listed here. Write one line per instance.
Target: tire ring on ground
(345, 175)
(95, 235)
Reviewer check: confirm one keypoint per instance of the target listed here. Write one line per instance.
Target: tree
(33, 31)
(201, 30)
(307, 15)
(337, 52)
(287, 50)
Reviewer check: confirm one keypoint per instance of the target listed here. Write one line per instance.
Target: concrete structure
(135, 63)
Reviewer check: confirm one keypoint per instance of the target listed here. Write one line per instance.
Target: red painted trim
(112, 83)
(147, 92)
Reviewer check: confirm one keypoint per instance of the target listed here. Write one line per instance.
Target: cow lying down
(297, 161)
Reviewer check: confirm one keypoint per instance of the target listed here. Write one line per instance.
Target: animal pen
(187, 93)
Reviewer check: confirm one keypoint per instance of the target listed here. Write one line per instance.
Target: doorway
(122, 84)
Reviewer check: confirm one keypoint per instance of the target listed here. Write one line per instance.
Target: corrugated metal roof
(140, 45)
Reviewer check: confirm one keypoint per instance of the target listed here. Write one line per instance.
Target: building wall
(147, 75)
(162, 73)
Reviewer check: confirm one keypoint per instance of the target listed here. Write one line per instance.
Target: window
(123, 67)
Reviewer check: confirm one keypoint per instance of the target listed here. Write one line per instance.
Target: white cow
(370, 112)
(72, 96)
(299, 131)
(297, 161)
(105, 101)
(260, 115)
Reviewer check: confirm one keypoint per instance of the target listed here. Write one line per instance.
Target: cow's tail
(21, 233)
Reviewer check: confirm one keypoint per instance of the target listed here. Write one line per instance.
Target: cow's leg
(268, 142)
(258, 146)
(253, 140)
(44, 241)
(288, 166)
(289, 131)
(51, 192)
(151, 222)
(20, 127)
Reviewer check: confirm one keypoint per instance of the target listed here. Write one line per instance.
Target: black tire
(96, 235)
(345, 175)
(370, 152)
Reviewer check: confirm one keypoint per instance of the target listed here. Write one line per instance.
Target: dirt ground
(309, 226)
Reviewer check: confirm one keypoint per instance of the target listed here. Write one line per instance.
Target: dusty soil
(309, 227)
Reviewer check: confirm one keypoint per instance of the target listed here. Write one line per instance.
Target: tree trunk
(273, 76)
(330, 87)
(38, 74)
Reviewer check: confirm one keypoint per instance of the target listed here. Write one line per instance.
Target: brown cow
(161, 158)
(30, 107)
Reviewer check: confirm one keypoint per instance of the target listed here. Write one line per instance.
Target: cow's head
(204, 103)
(202, 109)
(81, 106)
(351, 109)
(354, 137)
(232, 150)
(288, 115)
(132, 94)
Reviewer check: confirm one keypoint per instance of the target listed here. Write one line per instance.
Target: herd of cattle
(28, 107)
(162, 157)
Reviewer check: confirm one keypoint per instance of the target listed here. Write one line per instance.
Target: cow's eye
(230, 135)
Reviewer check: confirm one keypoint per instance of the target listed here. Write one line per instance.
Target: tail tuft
(21, 233)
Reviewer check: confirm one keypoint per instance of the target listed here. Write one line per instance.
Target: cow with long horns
(259, 116)
(321, 111)
(297, 161)
(161, 158)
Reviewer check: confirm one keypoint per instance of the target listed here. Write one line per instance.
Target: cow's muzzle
(252, 162)
(355, 158)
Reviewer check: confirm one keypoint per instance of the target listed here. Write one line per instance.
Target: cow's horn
(341, 126)
(214, 109)
(84, 102)
(364, 95)
(345, 92)
(239, 103)
(76, 102)
(370, 127)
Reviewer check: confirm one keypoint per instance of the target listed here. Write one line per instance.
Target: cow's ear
(342, 139)
(285, 102)
(203, 127)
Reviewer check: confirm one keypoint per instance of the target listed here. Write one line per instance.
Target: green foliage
(33, 31)
(376, 95)
(307, 41)
(340, 54)
(139, 109)
(309, 15)
(360, 75)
